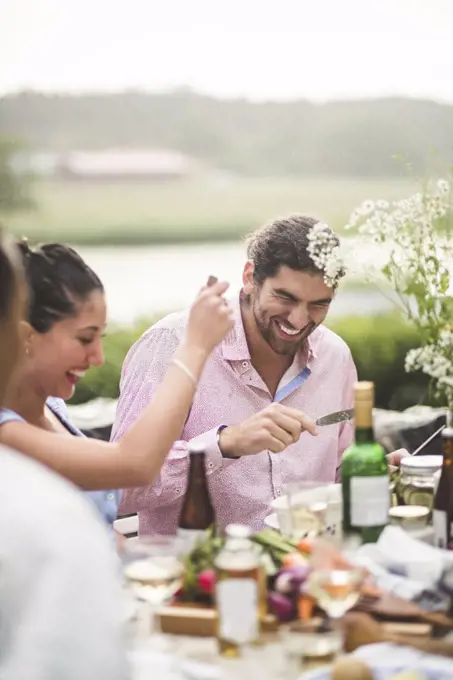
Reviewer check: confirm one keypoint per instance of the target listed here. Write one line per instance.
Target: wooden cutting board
(393, 608)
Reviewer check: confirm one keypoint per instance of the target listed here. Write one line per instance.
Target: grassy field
(188, 211)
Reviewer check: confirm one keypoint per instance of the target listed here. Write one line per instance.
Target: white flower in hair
(325, 253)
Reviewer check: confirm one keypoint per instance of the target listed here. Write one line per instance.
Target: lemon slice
(420, 498)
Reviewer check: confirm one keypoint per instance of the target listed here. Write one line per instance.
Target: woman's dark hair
(282, 243)
(8, 281)
(57, 279)
(11, 307)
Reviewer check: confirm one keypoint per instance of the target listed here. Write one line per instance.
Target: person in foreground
(277, 364)
(62, 338)
(60, 597)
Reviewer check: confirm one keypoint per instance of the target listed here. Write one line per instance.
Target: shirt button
(178, 490)
(210, 464)
(279, 492)
(110, 497)
(245, 364)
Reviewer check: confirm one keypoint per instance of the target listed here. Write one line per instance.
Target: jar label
(370, 501)
(237, 605)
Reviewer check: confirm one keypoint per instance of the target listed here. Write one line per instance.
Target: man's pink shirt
(319, 381)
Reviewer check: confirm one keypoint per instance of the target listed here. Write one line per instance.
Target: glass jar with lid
(418, 480)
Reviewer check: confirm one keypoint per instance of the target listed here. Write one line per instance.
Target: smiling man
(276, 372)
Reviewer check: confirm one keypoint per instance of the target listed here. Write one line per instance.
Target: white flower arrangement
(417, 236)
(325, 253)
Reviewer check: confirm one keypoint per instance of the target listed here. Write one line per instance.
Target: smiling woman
(62, 331)
(65, 321)
(59, 617)
(62, 338)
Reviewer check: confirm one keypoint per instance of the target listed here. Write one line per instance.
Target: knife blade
(336, 417)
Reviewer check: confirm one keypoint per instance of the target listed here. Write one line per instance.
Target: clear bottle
(238, 590)
(197, 511)
(443, 501)
(364, 474)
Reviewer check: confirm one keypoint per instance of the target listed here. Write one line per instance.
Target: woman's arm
(137, 458)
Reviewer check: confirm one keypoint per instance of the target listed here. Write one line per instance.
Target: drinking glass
(336, 592)
(154, 570)
(333, 520)
(307, 508)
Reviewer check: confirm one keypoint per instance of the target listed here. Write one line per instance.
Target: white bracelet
(185, 370)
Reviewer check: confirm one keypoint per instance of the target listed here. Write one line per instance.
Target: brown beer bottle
(443, 501)
(197, 512)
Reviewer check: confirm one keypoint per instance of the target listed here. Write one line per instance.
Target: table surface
(266, 662)
(269, 661)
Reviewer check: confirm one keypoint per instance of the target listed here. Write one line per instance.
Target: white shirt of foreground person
(60, 593)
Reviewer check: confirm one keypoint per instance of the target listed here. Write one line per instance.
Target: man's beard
(281, 346)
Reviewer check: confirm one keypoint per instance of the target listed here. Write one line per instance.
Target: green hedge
(378, 345)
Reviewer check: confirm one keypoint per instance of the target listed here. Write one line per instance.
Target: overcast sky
(276, 49)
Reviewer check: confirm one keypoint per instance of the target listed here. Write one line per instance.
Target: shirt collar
(235, 347)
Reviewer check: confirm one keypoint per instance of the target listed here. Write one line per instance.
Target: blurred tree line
(353, 138)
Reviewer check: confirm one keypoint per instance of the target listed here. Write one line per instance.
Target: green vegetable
(272, 546)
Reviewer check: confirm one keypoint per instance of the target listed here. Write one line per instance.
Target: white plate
(281, 520)
(426, 534)
(271, 521)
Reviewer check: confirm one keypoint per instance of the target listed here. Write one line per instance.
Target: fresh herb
(272, 545)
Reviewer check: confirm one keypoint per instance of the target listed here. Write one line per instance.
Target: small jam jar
(417, 482)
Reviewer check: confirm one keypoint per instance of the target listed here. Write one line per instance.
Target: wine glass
(336, 591)
(154, 570)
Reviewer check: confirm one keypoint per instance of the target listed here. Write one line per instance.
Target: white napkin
(403, 564)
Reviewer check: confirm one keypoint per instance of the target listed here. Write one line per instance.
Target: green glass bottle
(364, 474)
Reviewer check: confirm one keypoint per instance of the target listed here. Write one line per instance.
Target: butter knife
(336, 417)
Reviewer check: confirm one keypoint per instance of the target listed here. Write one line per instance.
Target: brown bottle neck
(197, 466)
(447, 447)
(197, 511)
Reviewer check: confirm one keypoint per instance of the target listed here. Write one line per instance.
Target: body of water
(144, 281)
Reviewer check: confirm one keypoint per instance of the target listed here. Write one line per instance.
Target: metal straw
(426, 442)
